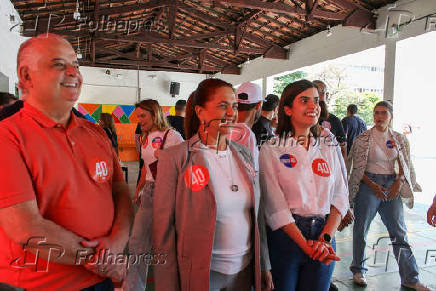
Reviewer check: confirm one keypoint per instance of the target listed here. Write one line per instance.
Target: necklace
(234, 187)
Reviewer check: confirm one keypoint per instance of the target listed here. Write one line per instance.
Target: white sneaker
(359, 279)
(418, 286)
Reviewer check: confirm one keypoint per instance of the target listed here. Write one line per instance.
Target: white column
(389, 78)
(264, 86)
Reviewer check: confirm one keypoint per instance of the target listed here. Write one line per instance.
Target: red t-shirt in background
(69, 171)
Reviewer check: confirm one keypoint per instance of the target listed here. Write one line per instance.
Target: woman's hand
(156, 153)
(137, 197)
(394, 190)
(331, 257)
(378, 191)
(347, 220)
(267, 281)
(320, 250)
(431, 215)
(323, 252)
(308, 248)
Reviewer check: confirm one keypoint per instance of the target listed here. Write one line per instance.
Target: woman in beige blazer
(190, 217)
(382, 177)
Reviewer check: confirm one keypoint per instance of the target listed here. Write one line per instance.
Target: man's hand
(394, 190)
(267, 281)
(347, 220)
(108, 267)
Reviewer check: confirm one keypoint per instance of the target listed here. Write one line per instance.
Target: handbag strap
(164, 139)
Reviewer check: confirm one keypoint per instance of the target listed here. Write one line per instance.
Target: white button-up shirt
(299, 181)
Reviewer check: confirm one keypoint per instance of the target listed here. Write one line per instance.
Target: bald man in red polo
(62, 194)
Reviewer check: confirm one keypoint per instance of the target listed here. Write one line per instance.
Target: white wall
(9, 43)
(120, 87)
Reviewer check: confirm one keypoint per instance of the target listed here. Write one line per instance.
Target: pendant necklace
(234, 187)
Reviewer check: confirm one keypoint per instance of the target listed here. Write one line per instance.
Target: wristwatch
(326, 237)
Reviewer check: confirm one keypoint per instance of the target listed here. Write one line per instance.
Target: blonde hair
(154, 108)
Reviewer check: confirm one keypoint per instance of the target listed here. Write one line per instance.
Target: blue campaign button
(390, 144)
(288, 160)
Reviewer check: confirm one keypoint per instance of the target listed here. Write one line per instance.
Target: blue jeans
(366, 205)
(140, 241)
(105, 285)
(291, 268)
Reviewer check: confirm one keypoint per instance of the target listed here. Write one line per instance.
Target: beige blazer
(184, 220)
(358, 159)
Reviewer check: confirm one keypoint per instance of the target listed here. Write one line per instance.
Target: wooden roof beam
(276, 52)
(361, 18)
(207, 35)
(135, 67)
(348, 5)
(163, 65)
(128, 56)
(175, 58)
(192, 11)
(93, 51)
(201, 61)
(146, 37)
(152, 4)
(281, 8)
(149, 53)
(231, 69)
(264, 6)
(172, 14)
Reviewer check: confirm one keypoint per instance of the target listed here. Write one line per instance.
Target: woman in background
(107, 123)
(156, 135)
(382, 175)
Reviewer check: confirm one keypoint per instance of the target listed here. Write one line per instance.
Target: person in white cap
(249, 108)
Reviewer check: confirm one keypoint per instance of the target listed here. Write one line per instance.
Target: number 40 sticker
(99, 170)
(321, 168)
(196, 177)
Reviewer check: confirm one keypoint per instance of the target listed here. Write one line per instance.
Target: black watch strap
(327, 238)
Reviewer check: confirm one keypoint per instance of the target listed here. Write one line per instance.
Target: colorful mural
(124, 114)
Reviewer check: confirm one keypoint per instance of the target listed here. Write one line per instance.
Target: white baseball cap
(249, 93)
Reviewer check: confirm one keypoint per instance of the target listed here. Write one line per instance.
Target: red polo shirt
(69, 171)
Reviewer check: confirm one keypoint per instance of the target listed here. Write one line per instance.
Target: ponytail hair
(200, 97)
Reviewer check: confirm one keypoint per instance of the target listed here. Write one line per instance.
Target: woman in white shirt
(382, 175)
(206, 203)
(305, 193)
(156, 134)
